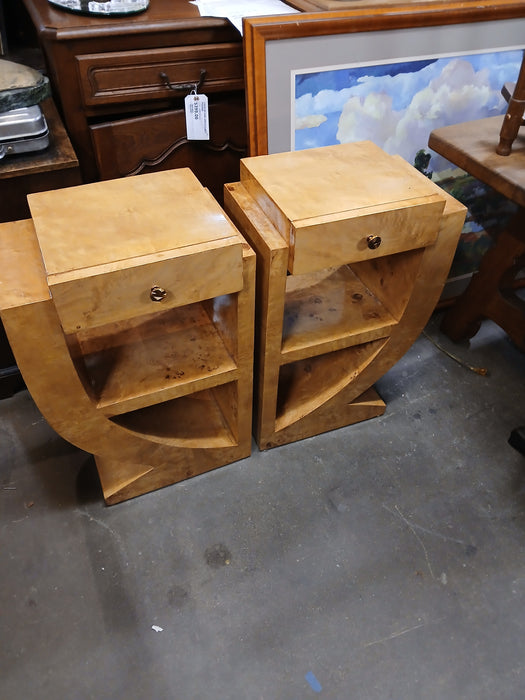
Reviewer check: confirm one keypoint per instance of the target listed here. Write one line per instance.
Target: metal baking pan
(23, 130)
(22, 123)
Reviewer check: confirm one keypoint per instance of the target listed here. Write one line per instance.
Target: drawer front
(340, 204)
(363, 235)
(190, 275)
(133, 76)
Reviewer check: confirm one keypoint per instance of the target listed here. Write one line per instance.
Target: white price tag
(197, 121)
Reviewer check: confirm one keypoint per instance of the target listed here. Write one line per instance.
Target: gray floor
(382, 561)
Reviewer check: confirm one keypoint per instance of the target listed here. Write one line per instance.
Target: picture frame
(276, 46)
(279, 49)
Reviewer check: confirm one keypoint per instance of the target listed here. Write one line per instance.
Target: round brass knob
(373, 242)
(157, 293)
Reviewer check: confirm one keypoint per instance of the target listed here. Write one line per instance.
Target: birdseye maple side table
(129, 308)
(353, 249)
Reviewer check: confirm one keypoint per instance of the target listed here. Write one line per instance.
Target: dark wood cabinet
(158, 141)
(121, 82)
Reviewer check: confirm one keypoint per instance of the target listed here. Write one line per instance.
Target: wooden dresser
(119, 83)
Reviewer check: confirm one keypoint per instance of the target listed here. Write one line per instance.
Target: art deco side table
(353, 249)
(129, 308)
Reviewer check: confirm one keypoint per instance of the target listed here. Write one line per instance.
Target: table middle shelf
(330, 310)
(137, 363)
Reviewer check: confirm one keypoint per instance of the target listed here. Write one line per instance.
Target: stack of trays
(23, 127)
(23, 130)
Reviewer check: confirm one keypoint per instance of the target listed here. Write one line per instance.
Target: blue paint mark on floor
(314, 683)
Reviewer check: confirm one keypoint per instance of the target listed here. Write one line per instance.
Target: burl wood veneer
(353, 249)
(129, 308)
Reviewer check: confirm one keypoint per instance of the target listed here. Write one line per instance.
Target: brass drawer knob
(373, 242)
(157, 293)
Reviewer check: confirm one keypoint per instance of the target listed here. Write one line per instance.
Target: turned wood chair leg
(513, 118)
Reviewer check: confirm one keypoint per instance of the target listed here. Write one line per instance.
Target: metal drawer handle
(157, 293)
(183, 86)
(373, 242)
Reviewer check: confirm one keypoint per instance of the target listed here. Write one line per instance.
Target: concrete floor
(383, 561)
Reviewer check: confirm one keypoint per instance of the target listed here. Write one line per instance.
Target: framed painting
(390, 74)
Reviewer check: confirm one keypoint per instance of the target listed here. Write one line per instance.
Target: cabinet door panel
(158, 142)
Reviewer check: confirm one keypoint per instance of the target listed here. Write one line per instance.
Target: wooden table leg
(491, 293)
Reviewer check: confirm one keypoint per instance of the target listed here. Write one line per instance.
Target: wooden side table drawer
(145, 265)
(342, 222)
(364, 235)
(187, 276)
(133, 76)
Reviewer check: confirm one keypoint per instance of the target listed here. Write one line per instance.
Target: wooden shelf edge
(303, 386)
(297, 353)
(114, 408)
(329, 310)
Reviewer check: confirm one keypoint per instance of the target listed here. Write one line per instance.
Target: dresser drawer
(134, 76)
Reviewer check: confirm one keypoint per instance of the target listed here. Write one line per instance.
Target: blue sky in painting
(398, 105)
(348, 77)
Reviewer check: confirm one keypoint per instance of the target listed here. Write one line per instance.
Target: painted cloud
(398, 105)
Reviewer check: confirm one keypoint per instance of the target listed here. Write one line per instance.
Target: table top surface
(335, 181)
(160, 15)
(114, 221)
(472, 147)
